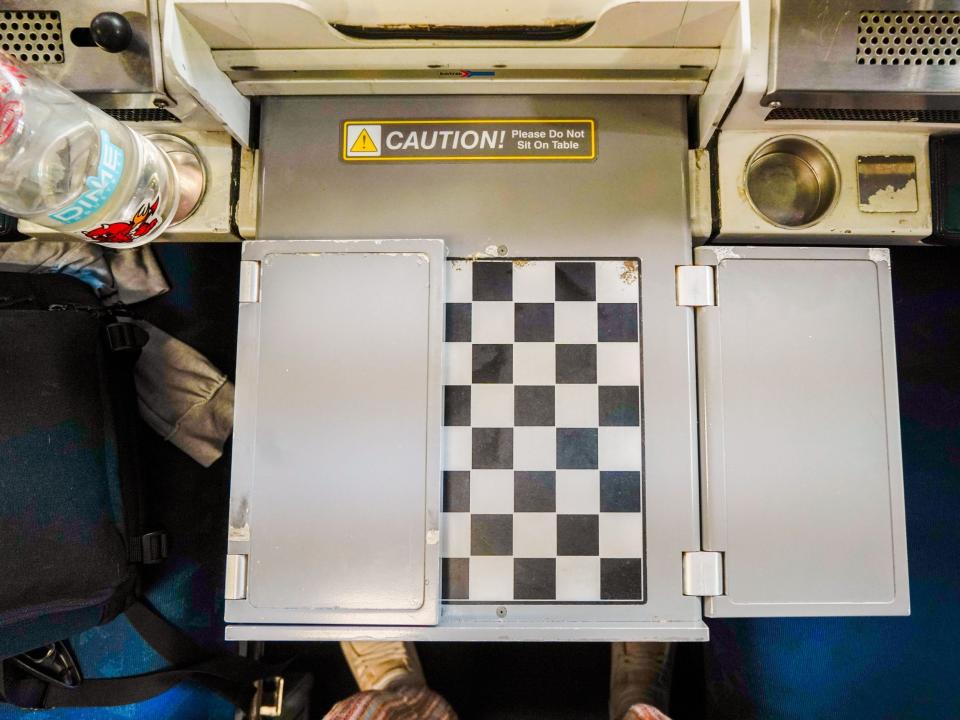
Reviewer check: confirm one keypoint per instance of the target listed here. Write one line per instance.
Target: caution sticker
(469, 140)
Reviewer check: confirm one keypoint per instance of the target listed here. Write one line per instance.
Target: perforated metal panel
(32, 36)
(909, 37)
(902, 61)
(142, 114)
(865, 114)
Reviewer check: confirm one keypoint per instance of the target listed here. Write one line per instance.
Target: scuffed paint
(879, 255)
(724, 252)
(240, 520)
(891, 199)
(490, 251)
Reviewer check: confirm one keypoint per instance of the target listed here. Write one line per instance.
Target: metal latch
(236, 579)
(696, 286)
(703, 573)
(249, 281)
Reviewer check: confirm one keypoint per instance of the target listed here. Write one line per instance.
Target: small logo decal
(468, 73)
(143, 221)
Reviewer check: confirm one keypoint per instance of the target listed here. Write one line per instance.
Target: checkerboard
(543, 447)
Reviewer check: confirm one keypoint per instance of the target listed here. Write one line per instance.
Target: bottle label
(142, 223)
(11, 111)
(99, 187)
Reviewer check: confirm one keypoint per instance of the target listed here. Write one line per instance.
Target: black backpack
(72, 538)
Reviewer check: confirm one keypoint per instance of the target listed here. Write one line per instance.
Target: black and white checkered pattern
(543, 480)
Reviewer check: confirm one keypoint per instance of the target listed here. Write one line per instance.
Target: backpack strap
(231, 676)
(124, 339)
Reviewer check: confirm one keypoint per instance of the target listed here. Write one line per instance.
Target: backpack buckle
(53, 663)
(149, 548)
(126, 336)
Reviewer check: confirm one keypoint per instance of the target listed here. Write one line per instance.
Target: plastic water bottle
(66, 165)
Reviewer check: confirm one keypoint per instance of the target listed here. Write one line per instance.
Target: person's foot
(379, 665)
(639, 673)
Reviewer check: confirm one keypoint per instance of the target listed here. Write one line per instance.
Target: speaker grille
(930, 116)
(32, 36)
(143, 115)
(908, 37)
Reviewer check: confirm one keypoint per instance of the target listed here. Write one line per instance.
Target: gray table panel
(629, 202)
(804, 487)
(337, 477)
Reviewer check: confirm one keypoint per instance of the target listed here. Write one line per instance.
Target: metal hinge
(703, 573)
(268, 698)
(249, 281)
(696, 286)
(236, 580)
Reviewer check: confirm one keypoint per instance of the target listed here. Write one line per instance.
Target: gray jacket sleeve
(128, 276)
(183, 397)
(181, 394)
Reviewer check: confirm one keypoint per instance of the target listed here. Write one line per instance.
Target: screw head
(501, 612)
(160, 103)
(776, 104)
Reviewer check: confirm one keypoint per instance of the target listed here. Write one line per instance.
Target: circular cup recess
(191, 172)
(792, 181)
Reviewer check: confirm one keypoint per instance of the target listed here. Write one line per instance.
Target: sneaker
(639, 673)
(379, 665)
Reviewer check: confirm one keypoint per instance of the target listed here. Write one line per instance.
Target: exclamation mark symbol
(503, 135)
(363, 143)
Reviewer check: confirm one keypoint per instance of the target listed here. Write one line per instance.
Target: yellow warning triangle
(363, 143)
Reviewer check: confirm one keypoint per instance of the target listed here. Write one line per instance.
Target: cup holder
(792, 181)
